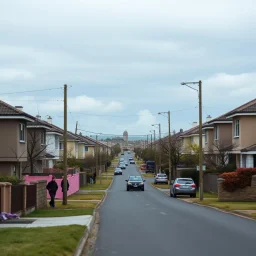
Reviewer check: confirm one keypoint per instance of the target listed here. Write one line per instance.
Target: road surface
(151, 223)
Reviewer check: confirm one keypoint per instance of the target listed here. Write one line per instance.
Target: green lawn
(253, 215)
(50, 241)
(207, 195)
(71, 209)
(229, 206)
(103, 186)
(164, 186)
(89, 196)
(148, 175)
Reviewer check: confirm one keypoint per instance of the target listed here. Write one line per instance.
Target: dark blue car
(151, 166)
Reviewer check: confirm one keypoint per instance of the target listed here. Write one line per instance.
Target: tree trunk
(31, 166)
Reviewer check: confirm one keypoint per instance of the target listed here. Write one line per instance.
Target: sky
(124, 61)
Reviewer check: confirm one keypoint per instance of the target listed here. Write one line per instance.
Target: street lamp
(169, 142)
(201, 178)
(159, 128)
(154, 132)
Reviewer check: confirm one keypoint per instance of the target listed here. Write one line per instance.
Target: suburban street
(151, 223)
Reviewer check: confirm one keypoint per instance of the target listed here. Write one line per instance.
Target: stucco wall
(51, 139)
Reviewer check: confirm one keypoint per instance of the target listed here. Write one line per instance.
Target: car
(118, 171)
(130, 158)
(125, 162)
(129, 152)
(122, 166)
(151, 166)
(161, 178)
(122, 154)
(135, 182)
(121, 159)
(183, 186)
(143, 167)
(132, 162)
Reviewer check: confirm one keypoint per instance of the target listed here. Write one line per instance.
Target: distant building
(125, 136)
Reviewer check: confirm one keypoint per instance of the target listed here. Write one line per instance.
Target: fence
(31, 196)
(210, 182)
(0, 199)
(73, 181)
(17, 198)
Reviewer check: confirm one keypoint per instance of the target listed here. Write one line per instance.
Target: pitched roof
(191, 131)
(250, 148)
(8, 110)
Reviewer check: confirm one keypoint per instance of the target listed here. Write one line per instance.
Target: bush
(193, 174)
(12, 179)
(241, 178)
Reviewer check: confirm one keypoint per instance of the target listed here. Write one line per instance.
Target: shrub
(12, 179)
(241, 178)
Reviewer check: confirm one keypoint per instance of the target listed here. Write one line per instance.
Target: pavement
(53, 222)
(151, 223)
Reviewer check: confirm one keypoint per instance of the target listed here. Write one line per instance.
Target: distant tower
(125, 136)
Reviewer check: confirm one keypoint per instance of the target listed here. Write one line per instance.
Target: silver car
(161, 178)
(183, 186)
(118, 171)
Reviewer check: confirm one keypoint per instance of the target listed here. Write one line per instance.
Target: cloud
(7, 74)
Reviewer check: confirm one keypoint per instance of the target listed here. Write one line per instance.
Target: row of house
(29, 144)
(232, 134)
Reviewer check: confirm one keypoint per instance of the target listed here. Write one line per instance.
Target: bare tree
(219, 154)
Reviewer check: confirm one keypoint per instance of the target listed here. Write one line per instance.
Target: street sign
(204, 168)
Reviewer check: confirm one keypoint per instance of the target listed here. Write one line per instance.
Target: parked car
(183, 186)
(126, 163)
(143, 167)
(135, 182)
(161, 178)
(132, 162)
(118, 171)
(130, 158)
(151, 166)
(122, 166)
(121, 159)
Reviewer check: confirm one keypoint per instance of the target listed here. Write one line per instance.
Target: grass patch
(103, 186)
(207, 195)
(228, 206)
(164, 186)
(50, 241)
(148, 175)
(71, 209)
(253, 215)
(89, 196)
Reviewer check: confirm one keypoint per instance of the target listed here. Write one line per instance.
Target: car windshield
(135, 178)
(185, 181)
(162, 175)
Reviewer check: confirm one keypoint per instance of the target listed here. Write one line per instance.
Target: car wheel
(170, 193)
(128, 189)
(142, 189)
(194, 195)
(174, 195)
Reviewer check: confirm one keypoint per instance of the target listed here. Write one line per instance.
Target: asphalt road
(151, 223)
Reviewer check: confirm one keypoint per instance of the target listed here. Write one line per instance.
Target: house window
(61, 146)
(237, 128)
(191, 140)
(56, 142)
(86, 149)
(42, 138)
(216, 133)
(22, 132)
(206, 136)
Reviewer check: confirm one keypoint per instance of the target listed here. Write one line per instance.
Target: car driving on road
(118, 171)
(126, 163)
(135, 182)
(122, 166)
(183, 186)
(161, 178)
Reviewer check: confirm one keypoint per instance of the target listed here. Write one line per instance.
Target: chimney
(19, 108)
(194, 124)
(49, 120)
(38, 117)
(208, 118)
(181, 130)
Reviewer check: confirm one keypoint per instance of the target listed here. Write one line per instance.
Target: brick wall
(245, 194)
(41, 193)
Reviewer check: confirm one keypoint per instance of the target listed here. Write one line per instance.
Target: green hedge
(12, 179)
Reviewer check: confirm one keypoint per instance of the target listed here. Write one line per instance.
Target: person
(52, 187)
(62, 185)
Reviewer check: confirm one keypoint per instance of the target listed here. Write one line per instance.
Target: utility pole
(76, 127)
(201, 177)
(65, 194)
(155, 144)
(169, 144)
(151, 140)
(96, 154)
(100, 170)
(160, 155)
(147, 140)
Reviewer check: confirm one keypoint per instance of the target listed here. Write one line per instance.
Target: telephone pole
(169, 146)
(154, 131)
(76, 127)
(65, 196)
(96, 155)
(160, 149)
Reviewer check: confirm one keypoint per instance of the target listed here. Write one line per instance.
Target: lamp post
(154, 132)
(201, 177)
(160, 158)
(169, 143)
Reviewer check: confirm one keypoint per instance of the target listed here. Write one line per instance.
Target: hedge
(12, 179)
(240, 178)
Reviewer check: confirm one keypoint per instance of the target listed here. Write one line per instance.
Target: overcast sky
(125, 59)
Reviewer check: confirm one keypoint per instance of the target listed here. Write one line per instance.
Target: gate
(17, 198)
(31, 196)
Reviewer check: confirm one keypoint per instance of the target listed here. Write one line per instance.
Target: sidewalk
(89, 191)
(83, 220)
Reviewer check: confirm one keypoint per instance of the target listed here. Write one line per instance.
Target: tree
(147, 154)
(190, 158)
(117, 149)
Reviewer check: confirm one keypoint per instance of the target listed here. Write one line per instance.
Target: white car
(118, 171)
(161, 178)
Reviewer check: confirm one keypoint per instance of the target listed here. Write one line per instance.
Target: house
(231, 137)
(13, 137)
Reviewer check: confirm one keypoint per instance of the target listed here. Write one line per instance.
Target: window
(61, 146)
(86, 149)
(56, 142)
(191, 140)
(76, 147)
(216, 133)
(22, 132)
(237, 128)
(206, 136)
(42, 138)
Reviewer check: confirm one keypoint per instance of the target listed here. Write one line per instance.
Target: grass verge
(148, 175)
(71, 209)
(50, 241)
(163, 186)
(228, 206)
(89, 196)
(103, 186)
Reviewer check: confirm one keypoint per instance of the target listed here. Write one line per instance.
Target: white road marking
(163, 213)
(147, 204)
